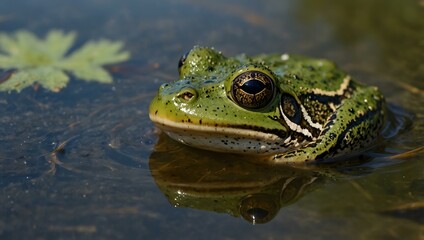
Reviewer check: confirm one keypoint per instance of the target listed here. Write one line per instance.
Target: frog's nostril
(187, 94)
(163, 86)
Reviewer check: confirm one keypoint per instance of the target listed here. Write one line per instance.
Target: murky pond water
(87, 163)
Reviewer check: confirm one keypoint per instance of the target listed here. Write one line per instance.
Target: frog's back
(327, 97)
(307, 75)
(317, 83)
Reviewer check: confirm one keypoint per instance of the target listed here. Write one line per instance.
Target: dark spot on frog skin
(312, 144)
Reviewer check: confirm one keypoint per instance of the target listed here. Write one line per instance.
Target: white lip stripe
(231, 131)
(338, 92)
(300, 191)
(331, 105)
(286, 183)
(293, 126)
(309, 119)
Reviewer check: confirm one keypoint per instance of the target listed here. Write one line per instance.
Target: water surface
(118, 177)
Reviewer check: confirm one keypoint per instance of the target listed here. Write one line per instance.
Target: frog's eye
(258, 208)
(252, 89)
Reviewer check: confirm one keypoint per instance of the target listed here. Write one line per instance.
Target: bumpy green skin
(316, 112)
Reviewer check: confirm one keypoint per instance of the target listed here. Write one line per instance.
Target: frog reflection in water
(224, 183)
(290, 107)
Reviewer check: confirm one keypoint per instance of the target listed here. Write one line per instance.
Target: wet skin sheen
(290, 107)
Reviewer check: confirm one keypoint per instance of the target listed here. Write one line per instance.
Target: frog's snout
(186, 95)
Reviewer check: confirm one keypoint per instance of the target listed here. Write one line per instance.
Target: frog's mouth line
(229, 138)
(232, 130)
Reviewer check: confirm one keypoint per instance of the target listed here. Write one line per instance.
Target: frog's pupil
(253, 86)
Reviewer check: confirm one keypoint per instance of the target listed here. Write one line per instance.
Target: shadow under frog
(227, 183)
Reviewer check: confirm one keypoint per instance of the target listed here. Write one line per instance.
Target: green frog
(289, 108)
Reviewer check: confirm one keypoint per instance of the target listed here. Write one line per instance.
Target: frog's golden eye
(252, 89)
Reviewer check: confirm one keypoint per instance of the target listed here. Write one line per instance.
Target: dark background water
(113, 180)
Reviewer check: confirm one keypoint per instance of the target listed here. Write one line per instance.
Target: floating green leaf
(45, 61)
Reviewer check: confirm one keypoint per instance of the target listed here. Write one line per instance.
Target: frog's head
(222, 104)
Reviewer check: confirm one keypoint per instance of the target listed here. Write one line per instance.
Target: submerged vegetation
(27, 60)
